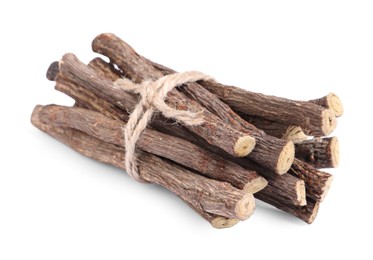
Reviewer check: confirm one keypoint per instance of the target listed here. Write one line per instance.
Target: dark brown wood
(287, 132)
(157, 143)
(202, 193)
(291, 191)
(216, 132)
(317, 182)
(306, 213)
(272, 152)
(319, 152)
(332, 102)
(312, 118)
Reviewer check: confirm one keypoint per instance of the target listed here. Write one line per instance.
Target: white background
(56, 204)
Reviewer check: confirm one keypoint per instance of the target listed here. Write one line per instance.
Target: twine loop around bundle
(153, 94)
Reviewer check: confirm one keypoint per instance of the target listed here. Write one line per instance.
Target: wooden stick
(317, 182)
(306, 213)
(286, 132)
(204, 194)
(319, 152)
(270, 151)
(292, 191)
(154, 142)
(332, 102)
(72, 71)
(313, 119)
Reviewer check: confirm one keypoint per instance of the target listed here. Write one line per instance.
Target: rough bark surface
(313, 119)
(157, 143)
(310, 116)
(273, 152)
(332, 102)
(319, 152)
(204, 194)
(213, 130)
(287, 132)
(317, 182)
(306, 213)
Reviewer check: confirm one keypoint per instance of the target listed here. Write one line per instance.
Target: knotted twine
(153, 94)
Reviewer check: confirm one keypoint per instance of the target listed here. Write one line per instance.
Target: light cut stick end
(329, 121)
(335, 104)
(286, 158)
(245, 207)
(334, 151)
(295, 134)
(301, 193)
(255, 185)
(244, 145)
(222, 222)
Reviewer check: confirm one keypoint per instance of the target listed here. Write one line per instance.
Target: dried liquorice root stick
(313, 119)
(272, 152)
(317, 182)
(306, 213)
(216, 132)
(154, 142)
(332, 102)
(319, 152)
(286, 132)
(205, 195)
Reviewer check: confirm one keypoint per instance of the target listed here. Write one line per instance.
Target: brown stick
(282, 184)
(319, 152)
(306, 213)
(332, 102)
(204, 194)
(166, 146)
(286, 132)
(317, 182)
(276, 154)
(313, 119)
(292, 191)
(213, 129)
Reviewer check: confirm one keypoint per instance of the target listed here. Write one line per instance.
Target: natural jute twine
(153, 94)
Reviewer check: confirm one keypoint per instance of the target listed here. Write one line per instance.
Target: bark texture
(216, 132)
(319, 152)
(157, 143)
(273, 152)
(287, 132)
(332, 102)
(317, 182)
(202, 193)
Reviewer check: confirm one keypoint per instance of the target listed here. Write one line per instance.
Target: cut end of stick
(335, 104)
(315, 210)
(286, 158)
(326, 187)
(245, 207)
(222, 222)
(301, 193)
(255, 185)
(53, 71)
(295, 134)
(244, 146)
(334, 150)
(329, 121)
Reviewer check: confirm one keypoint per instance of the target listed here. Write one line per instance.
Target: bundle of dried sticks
(246, 143)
